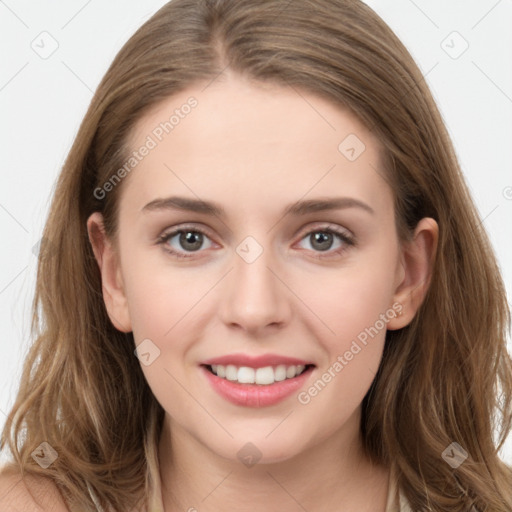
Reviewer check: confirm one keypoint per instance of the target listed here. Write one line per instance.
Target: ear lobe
(415, 271)
(111, 277)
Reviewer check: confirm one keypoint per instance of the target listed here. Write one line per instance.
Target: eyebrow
(299, 208)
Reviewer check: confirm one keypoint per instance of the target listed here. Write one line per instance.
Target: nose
(255, 298)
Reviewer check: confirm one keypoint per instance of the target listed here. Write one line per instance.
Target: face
(309, 287)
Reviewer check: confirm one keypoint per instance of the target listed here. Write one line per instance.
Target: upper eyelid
(318, 226)
(171, 232)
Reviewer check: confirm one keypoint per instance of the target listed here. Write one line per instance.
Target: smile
(264, 376)
(256, 387)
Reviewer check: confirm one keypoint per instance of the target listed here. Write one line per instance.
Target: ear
(111, 278)
(414, 272)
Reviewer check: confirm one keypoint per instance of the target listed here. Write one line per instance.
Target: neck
(332, 475)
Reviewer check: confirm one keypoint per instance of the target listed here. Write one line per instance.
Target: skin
(253, 149)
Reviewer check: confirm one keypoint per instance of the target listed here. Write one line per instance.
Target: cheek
(161, 306)
(354, 304)
(354, 314)
(350, 300)
(158, 295)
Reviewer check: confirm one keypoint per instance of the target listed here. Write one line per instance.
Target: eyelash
(348, 240)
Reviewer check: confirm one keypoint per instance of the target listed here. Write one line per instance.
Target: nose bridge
(252, 263)
(256, 296)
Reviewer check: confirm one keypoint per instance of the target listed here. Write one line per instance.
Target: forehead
(253, 145)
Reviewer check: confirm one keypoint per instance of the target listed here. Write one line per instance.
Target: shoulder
(29, 493)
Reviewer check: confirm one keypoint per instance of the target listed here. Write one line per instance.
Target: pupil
(189, 236)
(322, 237)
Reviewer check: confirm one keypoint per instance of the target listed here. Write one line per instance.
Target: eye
(190, 239)
(321, 240)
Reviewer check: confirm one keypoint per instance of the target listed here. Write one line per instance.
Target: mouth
(256, 387)
(263, 380)
(263, 376)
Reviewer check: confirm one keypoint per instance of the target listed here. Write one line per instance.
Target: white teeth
(280, 373)
(290, 372)
(246, 375)
(263, 376)
(231, 372)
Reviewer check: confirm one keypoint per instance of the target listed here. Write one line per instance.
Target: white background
(43, 101)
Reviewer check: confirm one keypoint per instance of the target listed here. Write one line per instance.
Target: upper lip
(256, 361)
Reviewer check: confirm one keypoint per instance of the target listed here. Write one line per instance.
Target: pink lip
(256, 361)
(255, 395)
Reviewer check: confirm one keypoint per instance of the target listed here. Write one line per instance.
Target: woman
(259, 367)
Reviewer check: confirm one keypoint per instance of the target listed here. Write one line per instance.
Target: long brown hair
(444, 378)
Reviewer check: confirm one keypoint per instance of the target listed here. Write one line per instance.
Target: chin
(259, 449)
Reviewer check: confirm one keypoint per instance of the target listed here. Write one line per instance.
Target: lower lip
(256, 395)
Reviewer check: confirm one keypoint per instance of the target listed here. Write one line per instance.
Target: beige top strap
(397, 502)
